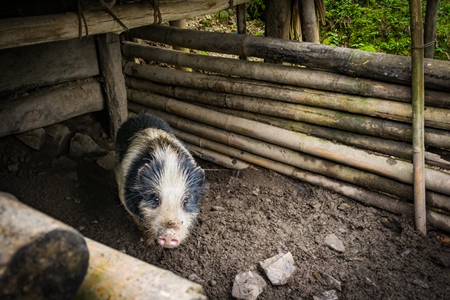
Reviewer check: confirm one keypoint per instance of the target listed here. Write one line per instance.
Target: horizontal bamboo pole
(214, 157)
(54, 106)
(339, 120)
(365, 196)
(215, 139)
(281, 74)
(378, 66)
(16, 32)
(388, 167)
(388, 147)
(115, 275)
(392, 110)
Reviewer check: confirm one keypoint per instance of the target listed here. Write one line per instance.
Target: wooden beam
(45, 64)
(51, 107)
(41, 258)
(111, 65)
(16, 32)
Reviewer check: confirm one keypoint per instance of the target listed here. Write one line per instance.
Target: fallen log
(352, 62)
(280, 74)
(41, 258)
(115, 275)
(16, 32)
(319, 116)
(230, 143)
(50, 107)
(388, 167)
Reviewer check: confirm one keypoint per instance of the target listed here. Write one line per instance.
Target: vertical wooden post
(417, 74)
(114, 82)
(180, 24)
(278, 18)
(241, 17)
(308, 18)
(430, 27)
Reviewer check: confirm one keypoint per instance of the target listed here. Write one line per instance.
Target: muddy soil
(246, 217)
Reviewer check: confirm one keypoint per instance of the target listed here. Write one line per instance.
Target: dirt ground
(246, 217)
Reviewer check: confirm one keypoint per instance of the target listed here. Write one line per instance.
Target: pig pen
(246, 217)
(254, 213)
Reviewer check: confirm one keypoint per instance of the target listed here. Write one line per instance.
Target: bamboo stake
(349, 156)
(418, 114)
(334, 119)
(352, 62)
(241, 20)
(214, 139)
(281, 74)
(365, 196)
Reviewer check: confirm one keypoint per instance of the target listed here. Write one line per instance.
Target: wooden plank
(29, 67)
(50, 107)
(110, 58)
(15, 32)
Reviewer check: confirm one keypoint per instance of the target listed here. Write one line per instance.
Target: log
(308, 17)
(280, 74)
(388, 167)
(16, 32)
(389, 147)
(352, 62)
(115, 275)
(430, 27)
(418, 106)
(41, 258)
(34, 111)
(111, 65)
(215, 139)
(33, 66)
(333, 119)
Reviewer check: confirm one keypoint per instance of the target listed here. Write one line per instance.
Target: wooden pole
(352, 62)
(111, 67)
(180, 24)
(385, 128)
(391, 168)
(308, 17)
(16, 32)
(281, 74)
(115, 275)
(54, 106)
(220, 140)
(430, 27)
(241, 19)
(418, 111)
(41, 258)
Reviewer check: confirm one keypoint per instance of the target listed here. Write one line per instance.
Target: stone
(279, 268)
(334, 243)
(248, 286)
(108, 161)
(443, 259)
(82, 144)
(58, 137)
(328, 280)
(34, 138)
(327, 295)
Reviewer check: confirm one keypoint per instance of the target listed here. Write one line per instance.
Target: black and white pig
(158, 179)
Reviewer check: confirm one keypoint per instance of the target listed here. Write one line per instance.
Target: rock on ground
(248, 286)
(279, 268)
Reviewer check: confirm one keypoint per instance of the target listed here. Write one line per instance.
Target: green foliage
(256, 9)
(379, 26)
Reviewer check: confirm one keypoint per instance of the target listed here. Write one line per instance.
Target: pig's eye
(153, 200)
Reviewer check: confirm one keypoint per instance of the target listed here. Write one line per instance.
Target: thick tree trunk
(308, 17)
(51, 107)
(278, 18)
(383, 67)
(430, 27)
(41, 258)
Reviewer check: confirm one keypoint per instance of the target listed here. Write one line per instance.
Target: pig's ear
(203, 185)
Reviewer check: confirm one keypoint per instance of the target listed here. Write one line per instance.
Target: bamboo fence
(351, 135)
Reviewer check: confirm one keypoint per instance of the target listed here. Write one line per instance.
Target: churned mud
(246, 217)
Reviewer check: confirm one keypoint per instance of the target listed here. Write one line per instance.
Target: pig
(159, 182)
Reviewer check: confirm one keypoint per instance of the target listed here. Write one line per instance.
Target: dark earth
(246, 217)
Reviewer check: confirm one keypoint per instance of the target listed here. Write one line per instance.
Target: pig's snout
(168, 239)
